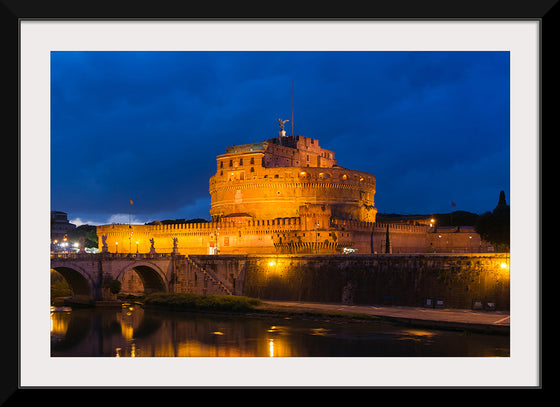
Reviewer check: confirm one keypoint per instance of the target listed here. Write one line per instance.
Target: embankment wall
(405, 280)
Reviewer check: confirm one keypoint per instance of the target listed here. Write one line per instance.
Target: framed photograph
(335, 78)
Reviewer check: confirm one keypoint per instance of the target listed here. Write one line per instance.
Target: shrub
(202, 302)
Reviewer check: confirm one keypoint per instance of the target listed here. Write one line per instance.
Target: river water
(134, 332)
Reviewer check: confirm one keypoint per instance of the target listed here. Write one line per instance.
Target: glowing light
(271, 347)
(503, 265)
(272, 263)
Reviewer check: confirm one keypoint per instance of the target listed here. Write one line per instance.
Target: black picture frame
(12, 12)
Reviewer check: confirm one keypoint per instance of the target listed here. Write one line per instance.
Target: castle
(288, 195)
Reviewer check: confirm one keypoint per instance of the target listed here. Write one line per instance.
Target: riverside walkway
(494, 322)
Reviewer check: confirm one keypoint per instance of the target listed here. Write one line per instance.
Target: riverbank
(494, 322)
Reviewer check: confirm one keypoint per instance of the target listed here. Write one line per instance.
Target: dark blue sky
(432, 127)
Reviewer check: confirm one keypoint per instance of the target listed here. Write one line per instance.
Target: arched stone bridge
(90, 275)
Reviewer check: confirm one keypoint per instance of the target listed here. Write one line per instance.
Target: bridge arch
(79, 281)
(152, 276)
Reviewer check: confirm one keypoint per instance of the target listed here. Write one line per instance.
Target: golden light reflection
(271, 348)
(127, 330)
(419, 332)
(59, 322)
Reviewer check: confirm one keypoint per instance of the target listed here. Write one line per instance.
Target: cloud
(123, 218)
(80, 222)
(149, 125)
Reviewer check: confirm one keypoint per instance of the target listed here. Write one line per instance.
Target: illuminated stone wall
(314, 232)
(287, 196)
(275, 179)
(405, 280)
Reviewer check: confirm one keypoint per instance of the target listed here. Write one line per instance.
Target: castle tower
(275, 178)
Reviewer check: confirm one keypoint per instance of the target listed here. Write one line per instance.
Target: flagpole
(130, 202)
(292, 108)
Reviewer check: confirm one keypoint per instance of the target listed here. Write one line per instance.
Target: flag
(131, 201)
(452, 203)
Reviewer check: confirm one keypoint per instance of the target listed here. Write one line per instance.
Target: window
(231, 163)
(252, 160)
(252, 169)
(221, 164)
(241, 161)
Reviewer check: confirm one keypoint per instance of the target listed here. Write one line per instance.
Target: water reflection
(134, 332)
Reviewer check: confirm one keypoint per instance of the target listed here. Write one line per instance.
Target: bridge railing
(112, 256)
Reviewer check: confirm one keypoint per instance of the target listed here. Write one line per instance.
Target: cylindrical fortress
(276, 178)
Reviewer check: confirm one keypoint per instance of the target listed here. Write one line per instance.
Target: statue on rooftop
(281, 123)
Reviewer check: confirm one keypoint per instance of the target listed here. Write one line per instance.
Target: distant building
(288, 195)
(60, 225)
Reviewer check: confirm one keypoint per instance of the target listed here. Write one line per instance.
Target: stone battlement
(287, 195)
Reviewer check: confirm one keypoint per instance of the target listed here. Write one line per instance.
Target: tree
(88, 232)
(494, 226)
